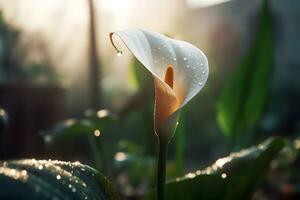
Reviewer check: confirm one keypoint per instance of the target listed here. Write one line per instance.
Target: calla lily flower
(179, 69)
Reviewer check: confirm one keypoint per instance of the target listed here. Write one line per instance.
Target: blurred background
(62, 86)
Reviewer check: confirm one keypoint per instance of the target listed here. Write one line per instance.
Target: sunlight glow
(116, 6)
(204, 3)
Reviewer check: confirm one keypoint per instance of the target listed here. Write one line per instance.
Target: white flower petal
(156, 51)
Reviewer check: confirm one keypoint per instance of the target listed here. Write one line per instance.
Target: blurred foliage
(9, 38)
(40, 179)
(134, 170)
(180, 145)
(14, 63)
(3, 120)
(232, 177)
(77, 127)
(140, 76)
(245, 94)
(92, 127)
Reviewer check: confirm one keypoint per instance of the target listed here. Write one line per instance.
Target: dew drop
(119, 53)
(224, 175)
(97, 133)
(70, 186)
(184, 58)
(58, 177)
(158, 48)
(200, 83)
(194, 67)
(203, 72)
(174, 59)
(187, 66)
(40, 167)
(155, 61)
(73, 189)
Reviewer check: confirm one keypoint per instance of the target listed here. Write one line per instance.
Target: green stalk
(161, 168)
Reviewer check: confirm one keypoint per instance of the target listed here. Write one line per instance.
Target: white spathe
(158, 53)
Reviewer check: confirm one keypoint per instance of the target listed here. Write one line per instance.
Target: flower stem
(161, 168)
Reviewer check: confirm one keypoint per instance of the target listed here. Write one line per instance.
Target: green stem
(161, 168)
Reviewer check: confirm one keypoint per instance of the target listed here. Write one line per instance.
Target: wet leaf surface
(232, 177)
(55, 180)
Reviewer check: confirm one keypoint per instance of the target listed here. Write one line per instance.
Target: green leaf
(68, 128)
(244, 96)
(78, 127)
(229, 178)
(180, 145)
(41, 179)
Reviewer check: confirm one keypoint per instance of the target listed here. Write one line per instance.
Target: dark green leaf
(244, 96)
(69, 128)
(229, 178)
(86, 126)
(41, 179)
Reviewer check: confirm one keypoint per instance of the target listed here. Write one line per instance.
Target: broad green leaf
(230, 178)
(68, 128)
(77, 127)
(244, 96)
(41, 179)
(180, 145)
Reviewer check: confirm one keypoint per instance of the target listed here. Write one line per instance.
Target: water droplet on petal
(119, 53)
(40, 167)
(184, 58)
(73, 189)
(187, 66)
(200, 83)
(174, 59)
(58, 177)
